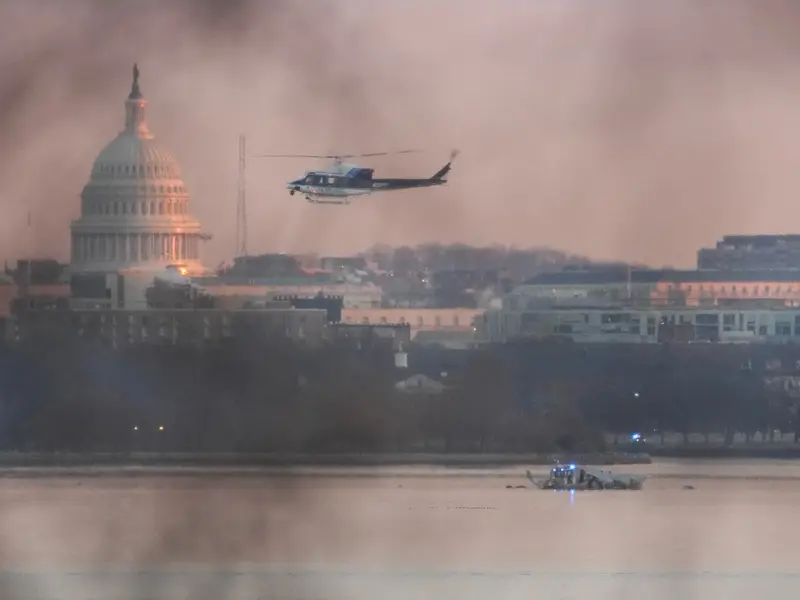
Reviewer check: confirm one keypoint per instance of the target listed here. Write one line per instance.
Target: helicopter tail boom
(439, 176)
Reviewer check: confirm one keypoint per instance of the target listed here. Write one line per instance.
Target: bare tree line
(517, 263)
(70, 395)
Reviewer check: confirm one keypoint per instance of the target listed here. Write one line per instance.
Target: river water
(391, 533)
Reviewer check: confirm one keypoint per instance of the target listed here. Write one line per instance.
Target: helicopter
(338, 183)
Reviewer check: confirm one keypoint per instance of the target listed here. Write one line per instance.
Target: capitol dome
(135, 207)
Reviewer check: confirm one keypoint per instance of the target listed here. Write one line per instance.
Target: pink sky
(616, 129)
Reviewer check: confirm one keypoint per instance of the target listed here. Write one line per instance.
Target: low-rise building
(118, 328)
(621, 304)
(419, 319)
(449, 327)
(354, 295)
(752, 252)
(623, 286)
(641, 325)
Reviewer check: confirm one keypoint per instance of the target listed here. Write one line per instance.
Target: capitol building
(135, 211)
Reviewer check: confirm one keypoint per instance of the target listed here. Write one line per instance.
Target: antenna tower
(241, 202)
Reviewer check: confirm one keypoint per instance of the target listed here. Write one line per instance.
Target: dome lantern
(136, 109)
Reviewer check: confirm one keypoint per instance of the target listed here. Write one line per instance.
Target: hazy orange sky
(615, 129)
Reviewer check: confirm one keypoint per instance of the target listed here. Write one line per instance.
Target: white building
(135, 207)
(617, 304)
(643, 325)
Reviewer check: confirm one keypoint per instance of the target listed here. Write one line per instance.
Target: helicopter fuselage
(345, 181)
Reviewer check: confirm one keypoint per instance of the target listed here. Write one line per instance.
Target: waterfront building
(619, 304)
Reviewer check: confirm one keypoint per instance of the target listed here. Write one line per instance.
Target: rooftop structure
(623, 286)
(752, 252)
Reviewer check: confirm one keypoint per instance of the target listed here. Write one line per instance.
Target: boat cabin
(566, 475)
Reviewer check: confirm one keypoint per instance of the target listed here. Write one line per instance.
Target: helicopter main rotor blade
(384, 153)
(334, 156)
(293, 156)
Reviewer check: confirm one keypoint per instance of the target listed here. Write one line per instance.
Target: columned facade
(135, 207)
(134, 247)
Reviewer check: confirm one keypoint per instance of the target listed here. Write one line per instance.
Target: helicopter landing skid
(313, 200)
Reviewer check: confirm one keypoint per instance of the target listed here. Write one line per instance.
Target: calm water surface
(401, 533)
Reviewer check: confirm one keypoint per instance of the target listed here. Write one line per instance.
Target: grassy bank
(13, 460)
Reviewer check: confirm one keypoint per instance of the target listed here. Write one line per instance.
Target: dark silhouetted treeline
(721, 389)
(725, 390)
(68, 395)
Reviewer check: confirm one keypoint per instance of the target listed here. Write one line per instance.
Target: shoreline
(239, 460)
(24, 460)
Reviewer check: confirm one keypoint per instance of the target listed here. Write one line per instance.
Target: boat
(575, 477)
